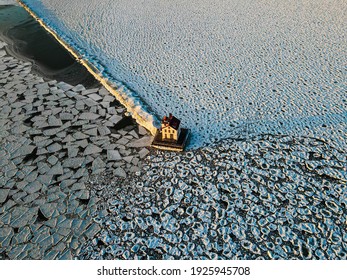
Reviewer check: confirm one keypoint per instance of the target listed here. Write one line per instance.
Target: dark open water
(30, 41)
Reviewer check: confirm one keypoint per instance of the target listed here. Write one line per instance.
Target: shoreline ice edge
(295, 110)
(133, 105)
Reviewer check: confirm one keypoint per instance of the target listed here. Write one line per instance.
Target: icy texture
(8, 2)
(267, 66)
(272, 197)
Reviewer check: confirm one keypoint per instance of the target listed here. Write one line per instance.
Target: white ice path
(225, 68)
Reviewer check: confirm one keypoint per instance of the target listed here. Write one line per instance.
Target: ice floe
(283, 210)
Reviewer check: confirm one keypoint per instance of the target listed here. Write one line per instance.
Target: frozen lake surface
(225, 68)
(8, 2)
(268, 197)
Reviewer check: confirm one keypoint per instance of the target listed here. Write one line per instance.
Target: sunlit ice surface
(226, 68)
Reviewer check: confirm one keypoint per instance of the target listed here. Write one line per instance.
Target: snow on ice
(224, 68)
